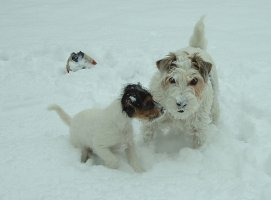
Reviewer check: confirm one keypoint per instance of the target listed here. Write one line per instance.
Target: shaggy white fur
(186, 85)
(104, 130)
(98, 130)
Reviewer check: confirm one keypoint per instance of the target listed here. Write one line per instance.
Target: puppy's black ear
(167, 63)
(139, 85)
(129, 110)
(128, 107)
(201, 65)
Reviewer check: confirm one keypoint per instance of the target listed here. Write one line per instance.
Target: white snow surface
(37, 160)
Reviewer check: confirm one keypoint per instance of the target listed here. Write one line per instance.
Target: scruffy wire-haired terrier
(186, 85)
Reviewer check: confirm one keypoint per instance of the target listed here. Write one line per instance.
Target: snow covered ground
(126, 38)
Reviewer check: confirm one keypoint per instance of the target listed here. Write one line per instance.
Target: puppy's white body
(102, 130)
(96, 126)
(200, 109)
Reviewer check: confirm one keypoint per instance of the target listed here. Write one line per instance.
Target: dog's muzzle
(161, 111)
(181, 105)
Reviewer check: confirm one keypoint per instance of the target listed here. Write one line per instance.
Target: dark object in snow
(78, 61)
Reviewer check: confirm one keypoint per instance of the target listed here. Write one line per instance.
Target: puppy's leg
(107, 156)
(86, 153)
(133, 159)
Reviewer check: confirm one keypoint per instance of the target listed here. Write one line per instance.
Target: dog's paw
(197, 141)
(86, 153)
(113, 163)
(139, 169)
(136, 166)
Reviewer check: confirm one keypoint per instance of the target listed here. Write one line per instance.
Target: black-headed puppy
(101, 130)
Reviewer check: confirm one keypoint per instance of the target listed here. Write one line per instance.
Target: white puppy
(102, 130)
(186, 85)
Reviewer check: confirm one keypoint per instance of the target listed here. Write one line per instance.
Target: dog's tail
(62, 114)
(198, 39)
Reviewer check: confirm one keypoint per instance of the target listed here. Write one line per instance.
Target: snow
(133, 99)
(126, 38)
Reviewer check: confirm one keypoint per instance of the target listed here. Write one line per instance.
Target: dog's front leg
(196, 141)
(133, 159)
(199, 137)
(107, 156)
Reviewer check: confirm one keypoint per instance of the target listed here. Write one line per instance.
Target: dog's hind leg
(86, 154)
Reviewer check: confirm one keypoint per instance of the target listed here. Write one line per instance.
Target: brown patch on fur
(166, 64)
(146, 114)
(148, 98)
(198, 88)
(202, 66)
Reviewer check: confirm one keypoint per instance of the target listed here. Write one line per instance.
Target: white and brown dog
(101, 131)
(186, 85)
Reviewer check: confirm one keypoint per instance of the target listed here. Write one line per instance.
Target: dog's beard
(182, 113)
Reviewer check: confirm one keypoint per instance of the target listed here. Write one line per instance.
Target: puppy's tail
(62, 114)
(198, 39)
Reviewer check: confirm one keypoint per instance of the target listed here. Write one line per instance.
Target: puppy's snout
(162, 110)
(158, 106)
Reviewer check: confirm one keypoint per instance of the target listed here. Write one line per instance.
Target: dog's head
(183, 82)
(137, 102)
(78, 61)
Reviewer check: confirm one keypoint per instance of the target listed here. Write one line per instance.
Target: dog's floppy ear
(127, 98)
(128, 107)
(202, 66)
(167, 63)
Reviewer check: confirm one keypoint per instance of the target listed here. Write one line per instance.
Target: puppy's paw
(138, 168)
(86, 153)
(113, 163)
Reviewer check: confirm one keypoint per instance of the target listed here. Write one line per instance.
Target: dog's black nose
(181, 104)
(162, 110)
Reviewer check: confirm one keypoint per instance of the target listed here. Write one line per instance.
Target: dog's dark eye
(194, 81)
(74, 57)
(171, 80)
